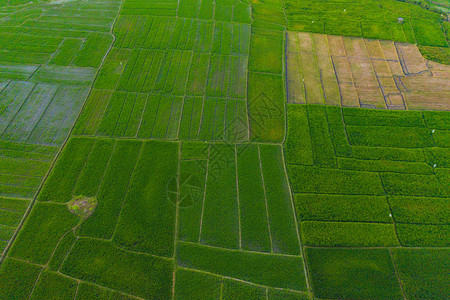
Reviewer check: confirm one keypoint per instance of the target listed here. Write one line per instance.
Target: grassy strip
(385, 166)
(54, 286)
(266, 107)
(389, 136)
(315, 207)
(92, 174)
(254, 226)
(370, 117)
(346, 234)
(298, 143)
(147, 220)
(270, 270)
(87, 291)
(112, 191)
(323, 151)
(266, 54)
(442, 138)
(324, 181)
(437, 119)
(437, 156)
(281, 213)
(438, 54)
(413, 185)
(41, 232)
(61, 251)
(196, 285)
(423, 272)
(192, 188)
(12, 210)
(337, 131)
(383, 153)
(63, 178)
(220, 218)
(239, 290)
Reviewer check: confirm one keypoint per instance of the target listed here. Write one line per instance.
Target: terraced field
(225, 149)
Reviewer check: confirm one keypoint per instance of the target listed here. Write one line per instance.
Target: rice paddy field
(227, 149)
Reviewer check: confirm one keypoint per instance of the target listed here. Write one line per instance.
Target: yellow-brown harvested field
(360, 72)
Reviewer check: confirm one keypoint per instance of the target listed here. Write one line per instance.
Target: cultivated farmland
(357, 72)
(226, 149)
(49, 55)
(157, 208)
(368, 178)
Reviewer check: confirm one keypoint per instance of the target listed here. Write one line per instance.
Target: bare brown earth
(360, 72)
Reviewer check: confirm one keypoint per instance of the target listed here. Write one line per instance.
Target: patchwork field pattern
(201, 164)
(190, 77)
(369, 19)
(365, 179)
(164, 208)
(366, 73)
(172, 78)
(49, 55)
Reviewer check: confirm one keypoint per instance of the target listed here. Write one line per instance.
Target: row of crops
(49, 55)
(371, 190)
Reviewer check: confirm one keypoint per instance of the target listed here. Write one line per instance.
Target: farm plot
(60, 33)
(48, 57)
(174, 183)
(248, 217)
(207, 58)
(362, 73)
(369, 20)
(173, 78)
(22, 169)
(226, 10)
(366, 178)
(39, 113)
(159, 217)
(156, 116)
(49, 53)
(265, 86)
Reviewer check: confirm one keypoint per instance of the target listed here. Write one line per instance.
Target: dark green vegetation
(422, 272)
(439, 54)
(185, 79)
(370, 178)
(22, 168)
(355, 274)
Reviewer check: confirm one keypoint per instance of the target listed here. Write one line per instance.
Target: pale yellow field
(363, 73)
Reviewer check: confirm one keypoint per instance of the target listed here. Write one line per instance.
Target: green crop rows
(167, 121)
(49, 55)
(364, 179)
(138, 225)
